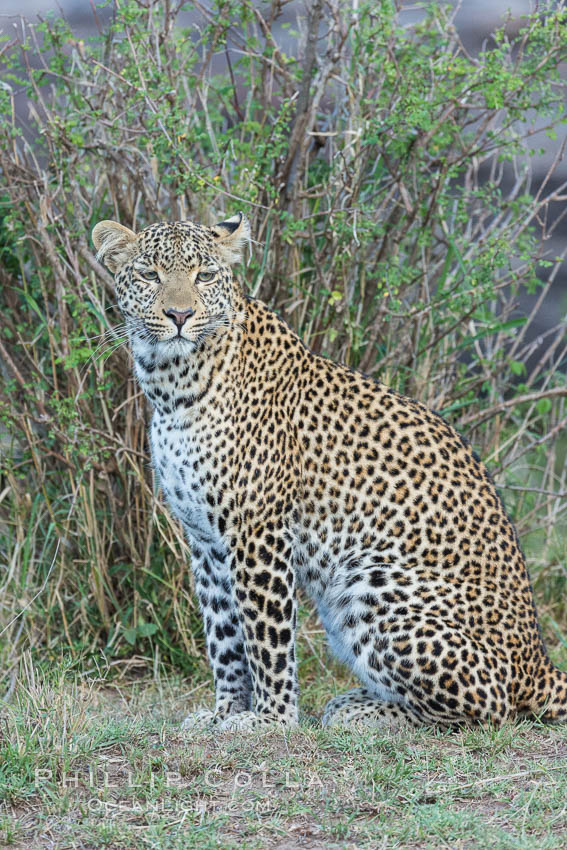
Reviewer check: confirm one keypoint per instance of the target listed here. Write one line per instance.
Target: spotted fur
(289, 470)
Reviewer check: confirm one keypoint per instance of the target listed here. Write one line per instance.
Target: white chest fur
(185, 467)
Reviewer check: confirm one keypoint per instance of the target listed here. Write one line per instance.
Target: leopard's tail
(549, 698)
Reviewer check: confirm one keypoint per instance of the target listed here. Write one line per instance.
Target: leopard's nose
(179, 316)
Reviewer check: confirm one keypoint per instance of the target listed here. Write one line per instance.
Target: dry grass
(106, 766)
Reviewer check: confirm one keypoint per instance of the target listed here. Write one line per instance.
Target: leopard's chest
(186, 465)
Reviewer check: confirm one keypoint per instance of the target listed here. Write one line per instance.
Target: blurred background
(475, 20)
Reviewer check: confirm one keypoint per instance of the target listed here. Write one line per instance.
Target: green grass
(103, 763)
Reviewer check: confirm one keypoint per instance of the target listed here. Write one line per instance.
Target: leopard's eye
(205, 277)
(149, 274)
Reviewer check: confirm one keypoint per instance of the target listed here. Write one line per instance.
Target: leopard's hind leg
(360, 707)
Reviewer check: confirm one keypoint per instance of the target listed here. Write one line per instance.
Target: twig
(482, 415)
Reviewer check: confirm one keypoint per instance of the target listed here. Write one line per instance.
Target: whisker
(104, 351)
(109, 332)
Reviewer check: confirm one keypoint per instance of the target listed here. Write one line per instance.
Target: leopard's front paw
(244, 721)
(198, 720)
(248, 721)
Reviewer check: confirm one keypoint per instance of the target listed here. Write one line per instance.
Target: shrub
(387, 176)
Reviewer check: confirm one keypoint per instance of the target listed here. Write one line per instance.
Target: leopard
(291, 473)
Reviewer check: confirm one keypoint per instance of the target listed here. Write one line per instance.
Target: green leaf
(517, 368)
(147, 629)
(131, 635)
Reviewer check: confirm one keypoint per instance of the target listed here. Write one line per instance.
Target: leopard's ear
(231, 236)
(113, 243)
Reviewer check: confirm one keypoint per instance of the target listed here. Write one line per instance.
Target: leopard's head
(174, 282)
